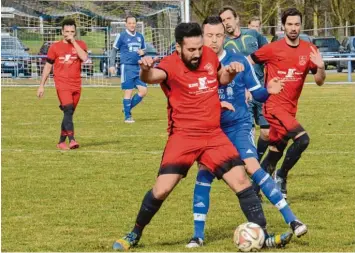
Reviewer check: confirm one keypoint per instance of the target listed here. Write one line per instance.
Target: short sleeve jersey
(67, 64)
(128, 44)
(234, 92)
(291, 64)
(247, 43)
(193, 102)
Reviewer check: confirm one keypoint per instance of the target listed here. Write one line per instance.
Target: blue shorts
(130, 77)
(256, 113)
(241, 136)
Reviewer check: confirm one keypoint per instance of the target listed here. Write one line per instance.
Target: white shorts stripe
(199, 217)
(122, 73)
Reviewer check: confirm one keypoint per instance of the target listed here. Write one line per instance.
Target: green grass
(82, 200)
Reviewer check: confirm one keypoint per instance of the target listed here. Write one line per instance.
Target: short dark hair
(130, 16)
(255, 18)
(187, 30)
(290, 12)
(228, 8)
(212, 20)
(68, 21)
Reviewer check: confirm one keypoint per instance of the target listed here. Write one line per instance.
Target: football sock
(68, 124)
(127, 108)
(201, 201)
(63, 133)
(136, 99)
(251, 207)
(150, 206)
(270, 190)
(293, 154)
(262, 147)
(270, 161)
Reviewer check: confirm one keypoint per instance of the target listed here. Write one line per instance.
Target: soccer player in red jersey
(66, 57)
(289, 59)
(190, 78)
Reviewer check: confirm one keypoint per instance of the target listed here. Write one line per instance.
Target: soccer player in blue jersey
(236, 124)
(131, 45)
(247, 41)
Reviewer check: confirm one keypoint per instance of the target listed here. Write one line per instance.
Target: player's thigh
(65, 97)
(76, 97)
(128, 75)
(220, 155)
(283, 125)
(242, 139)
(180, 152)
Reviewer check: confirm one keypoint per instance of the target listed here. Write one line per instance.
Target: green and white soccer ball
(249, 237)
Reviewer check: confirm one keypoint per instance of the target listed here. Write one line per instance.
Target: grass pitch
(82, 200)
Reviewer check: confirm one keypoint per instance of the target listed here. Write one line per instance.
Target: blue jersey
(234, 92)
(128, 44)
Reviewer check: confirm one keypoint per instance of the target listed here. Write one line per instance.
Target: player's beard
(189, 64)
(230, 30)
(292, 36)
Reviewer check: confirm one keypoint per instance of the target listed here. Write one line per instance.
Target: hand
(147, 62)
(40, 91)
(140, 52)
(316, 58)
(248, 96)
(275, 85)
(112, 70)
(228, 106)
(69, 38)
(234, 67)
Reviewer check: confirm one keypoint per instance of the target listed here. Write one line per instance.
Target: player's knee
(68, 109)
(162, 192)
(264, 134)
(303, 141)
(142, 92)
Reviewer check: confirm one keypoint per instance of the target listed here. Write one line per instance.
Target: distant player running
(289, 59)
(247, 41)
(237, 125)
(66, 56)
(189, 78)
(131, 45)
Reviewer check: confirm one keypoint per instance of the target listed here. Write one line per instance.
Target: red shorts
(214, 150)
(283, 124)
(68, 96)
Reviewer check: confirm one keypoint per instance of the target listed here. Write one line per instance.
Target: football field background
(82, 200)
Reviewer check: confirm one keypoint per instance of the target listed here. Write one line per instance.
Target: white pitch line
(320, 152)
(91, 136)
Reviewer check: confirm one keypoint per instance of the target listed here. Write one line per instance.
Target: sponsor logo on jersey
(302, 60)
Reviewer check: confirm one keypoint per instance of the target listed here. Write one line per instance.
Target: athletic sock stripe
(264, 179)
(199, 217)
(203, 184)
(281, 204)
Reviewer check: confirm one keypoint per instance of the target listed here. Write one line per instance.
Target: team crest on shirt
(209, 68)
(302, 60)
(139, 39)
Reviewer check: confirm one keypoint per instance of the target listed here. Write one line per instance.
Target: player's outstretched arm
(227, 73)
(148, 73)
(46, 71)
(316, 58)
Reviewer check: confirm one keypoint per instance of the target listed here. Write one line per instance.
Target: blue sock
(135, 100)
(201, 202)
(270, 190)
(127, 108)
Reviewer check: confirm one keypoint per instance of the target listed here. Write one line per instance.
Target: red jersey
(291, 64)
(193, 101)
(67, 64)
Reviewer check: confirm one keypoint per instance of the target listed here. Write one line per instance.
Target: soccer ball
(249, 237)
